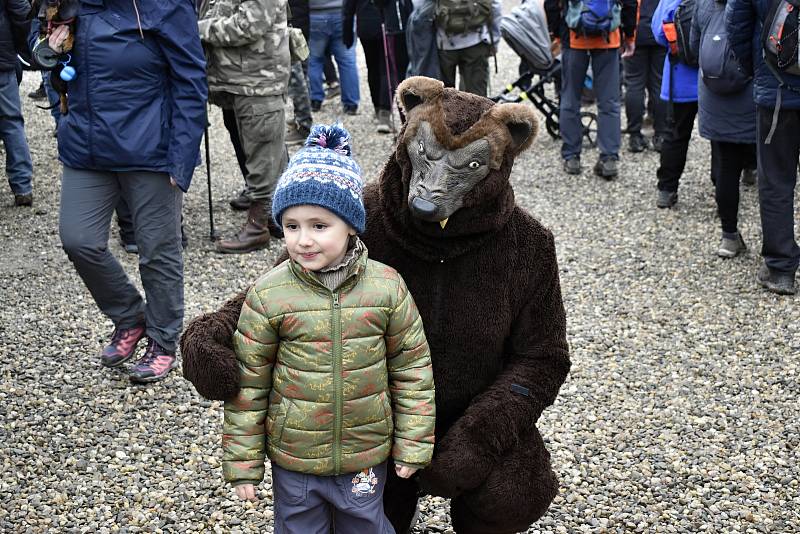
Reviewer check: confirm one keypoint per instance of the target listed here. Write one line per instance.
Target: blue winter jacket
(135, 104)
(681, 78)
(743, 21)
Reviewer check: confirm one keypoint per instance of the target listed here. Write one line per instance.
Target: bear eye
(474, 164)
(421, 148)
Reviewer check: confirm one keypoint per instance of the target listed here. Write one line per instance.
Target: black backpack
(779, 44)
(719, 68)
(677, 34)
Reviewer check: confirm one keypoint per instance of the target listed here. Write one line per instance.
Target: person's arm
(696, 32)
(19, 13)
(664, 12)
(629, 18)
(247, 25)
(740, 20)
(552, 9)
(408, 358)
(243, 431)
(497, 14)
(188, 89)
(349, 9)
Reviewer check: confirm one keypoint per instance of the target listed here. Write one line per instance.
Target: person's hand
(172, 182)
(628, 48)
(57, 37)
(403, 471)
(246, 492)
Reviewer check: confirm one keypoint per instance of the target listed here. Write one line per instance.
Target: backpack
(719, 68)
(779, 46)
(593, 17)
(677, 33)
(462, 16)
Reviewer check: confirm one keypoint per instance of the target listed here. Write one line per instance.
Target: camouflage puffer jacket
(247, 46)
(331, 382)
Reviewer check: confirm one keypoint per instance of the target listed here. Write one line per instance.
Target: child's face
(315, 237)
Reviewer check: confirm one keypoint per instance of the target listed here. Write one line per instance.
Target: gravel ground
(680, 414)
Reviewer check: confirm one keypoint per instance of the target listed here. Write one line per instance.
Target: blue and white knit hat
(323, 174)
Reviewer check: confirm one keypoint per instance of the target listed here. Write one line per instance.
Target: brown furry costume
(488, 291)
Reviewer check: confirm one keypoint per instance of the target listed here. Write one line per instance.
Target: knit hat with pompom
(322, 173)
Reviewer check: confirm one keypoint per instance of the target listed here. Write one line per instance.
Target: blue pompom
(334, 137)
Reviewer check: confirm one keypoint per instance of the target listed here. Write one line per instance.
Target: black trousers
(643, 72)
(676, 144)
(229, 120)
(727, 162)
(379, 87)
(777, 178)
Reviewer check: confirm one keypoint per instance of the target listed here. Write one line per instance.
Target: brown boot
(254, 235)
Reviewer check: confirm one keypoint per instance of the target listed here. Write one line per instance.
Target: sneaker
(241, 202)
(39, 93)
(657, 143)
(122, 346)
(332, 90)
(637, 143)
(779, 283)
(130, 248)
(316, 105)
(731, 247)
(749, 176)
(296, 135)
(23, 200)
(350, 110)
(572, 165)
(666, 199)
(384, 121)
(155, 364)
(606, 168)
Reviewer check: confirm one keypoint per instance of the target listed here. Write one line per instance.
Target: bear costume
(484, 275)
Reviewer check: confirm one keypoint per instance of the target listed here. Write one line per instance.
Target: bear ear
(416, 90)
(520, 120)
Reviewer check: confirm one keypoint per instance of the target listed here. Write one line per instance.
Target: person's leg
(125, 223)
(373, 56)
(19, 166)
(229, 120)
(573, 71)
(317, 45)
(676, 145)
(345, 63)
(726, 168)
(299, 502)
(474, 69)
(298, 91)
(331, 78)
(605, 69)
(655, 66)
(359, 502)
(636, 74)
(88, 199)
(448, 61)
(777, 177)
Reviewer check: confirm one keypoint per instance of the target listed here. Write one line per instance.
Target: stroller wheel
(589, 124)
(551, 125)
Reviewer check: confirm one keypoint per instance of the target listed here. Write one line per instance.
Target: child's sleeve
(411, 383)
(244, 433)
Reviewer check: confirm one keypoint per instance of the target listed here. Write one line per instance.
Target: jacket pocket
(387, 413)
(275, 430)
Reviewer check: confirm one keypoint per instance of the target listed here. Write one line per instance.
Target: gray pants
(473, 67)
(605, 73)
(88, 199)
(303, 503)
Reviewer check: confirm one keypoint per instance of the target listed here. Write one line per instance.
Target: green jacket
(332, 382)
(247, 46)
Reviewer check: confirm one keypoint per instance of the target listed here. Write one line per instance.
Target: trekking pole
(212, 234)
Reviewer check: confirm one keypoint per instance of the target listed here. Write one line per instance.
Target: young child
(335, 369)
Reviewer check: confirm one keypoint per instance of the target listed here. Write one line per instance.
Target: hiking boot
(240, 202)
(332, 90)
(23, 200)
(572, 165)
(637, 143)
(779, 283)
(155, 364)
(658, 142)
(39, 93)
(749, 176)
(122, 346)
(731, 247)
(350, 110)
(316, 105)
(666, 199)
(606, 168)
(254, 234)
(296, 135)
(384, 121)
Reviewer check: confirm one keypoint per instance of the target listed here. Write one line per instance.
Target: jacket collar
(310, 278)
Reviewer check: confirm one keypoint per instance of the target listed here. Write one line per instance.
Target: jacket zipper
(337, 383)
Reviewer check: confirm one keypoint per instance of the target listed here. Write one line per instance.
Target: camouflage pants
(260, 120)
(298, 92)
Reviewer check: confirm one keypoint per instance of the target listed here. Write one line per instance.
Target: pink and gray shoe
(122, 346)
(155, 364)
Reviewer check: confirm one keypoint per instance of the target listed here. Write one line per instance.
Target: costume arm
(188, 89)
(243, 430)
(411, 383)
(247, 25)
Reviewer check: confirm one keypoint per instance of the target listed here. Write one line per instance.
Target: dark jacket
(299, 18)
(15, 23)
(644, 33)
(557, 9)
(743, 20)
(135, 104)
(678, 81)
(368, 26)
(731, 117)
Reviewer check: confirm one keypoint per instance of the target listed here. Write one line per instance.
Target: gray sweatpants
(88, 199)
(303, 503)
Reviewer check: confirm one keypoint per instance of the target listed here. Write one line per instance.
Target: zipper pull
(336, 300)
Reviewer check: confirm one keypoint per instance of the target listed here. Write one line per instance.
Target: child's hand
(246, 492)
(404, 472)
